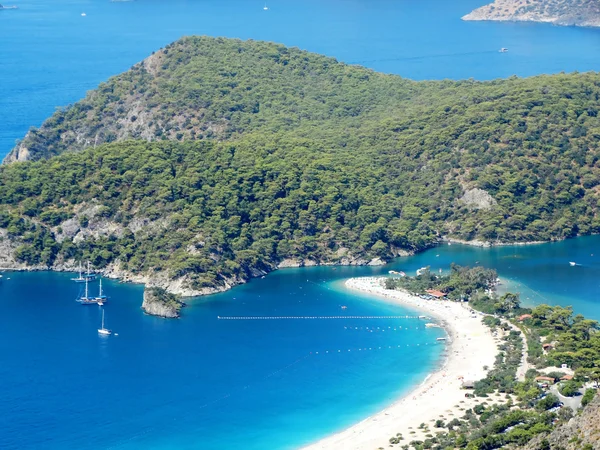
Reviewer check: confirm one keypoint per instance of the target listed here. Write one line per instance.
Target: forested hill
(231, 158)
(560, 12)
(204, 88)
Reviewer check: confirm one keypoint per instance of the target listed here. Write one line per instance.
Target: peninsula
(513, 377)
(585, 13)
(217, 160)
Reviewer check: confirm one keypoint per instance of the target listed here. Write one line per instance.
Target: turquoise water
(51, 55)
(199, 381)
(541, 273)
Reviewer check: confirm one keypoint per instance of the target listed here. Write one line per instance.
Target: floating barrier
(382, 329)
(312, 317)
(366, 349)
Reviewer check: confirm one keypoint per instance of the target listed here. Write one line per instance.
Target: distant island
(217, 160)
(585, 13)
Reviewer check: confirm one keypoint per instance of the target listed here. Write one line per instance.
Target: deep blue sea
(204, 383)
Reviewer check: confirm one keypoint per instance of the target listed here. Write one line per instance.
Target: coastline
(471, 347)
(490, 244)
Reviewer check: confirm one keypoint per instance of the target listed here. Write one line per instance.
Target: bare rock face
(478, 199)
(158, 302)
(584, 13)
(18, 154)
(581, 432)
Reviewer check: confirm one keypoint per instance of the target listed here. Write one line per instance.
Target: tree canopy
(216, 158)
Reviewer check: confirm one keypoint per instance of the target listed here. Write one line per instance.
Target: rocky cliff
(560, 12)
(581, 432)
(158, 302)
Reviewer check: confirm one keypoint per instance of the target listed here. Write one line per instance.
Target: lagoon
(200, 382)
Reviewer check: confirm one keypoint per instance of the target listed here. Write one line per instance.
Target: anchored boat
(103, 330)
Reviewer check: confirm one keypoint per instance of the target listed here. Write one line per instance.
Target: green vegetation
(265, 153)
(588, 396)
(461, 283)
(171, 301)
(530, 409)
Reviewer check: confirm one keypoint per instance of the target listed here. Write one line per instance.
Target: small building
(436, 294)
(566, 378)
(544, 380)
(468, 384)
(524, 317)
(547, 347)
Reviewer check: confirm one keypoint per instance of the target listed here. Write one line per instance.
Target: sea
(213, 378)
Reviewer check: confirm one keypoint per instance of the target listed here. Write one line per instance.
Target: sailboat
(266, 8)
(80, 278)
(103, 330)
(101, 299)
(86, 299)
(89, 275)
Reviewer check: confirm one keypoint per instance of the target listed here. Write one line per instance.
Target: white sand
(471, 347)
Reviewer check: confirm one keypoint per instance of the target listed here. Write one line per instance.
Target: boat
(80, 278)
(86, 299)
(101, 299)
(89, 275)
(266, 8)
(572, 263)
(83, 14)
(421, 270)
(432, 325)
(441, 339)
(104, 331)
(503, 50)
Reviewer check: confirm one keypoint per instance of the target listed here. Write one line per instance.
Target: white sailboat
(266, 8)
(103, 330)
(89, 275)
(80, 278)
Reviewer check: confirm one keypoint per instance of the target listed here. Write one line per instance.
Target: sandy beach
(471, 347)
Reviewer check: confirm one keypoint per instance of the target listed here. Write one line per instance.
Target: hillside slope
(560, 12)
(332, 164)
(204, 88)
(581, 432)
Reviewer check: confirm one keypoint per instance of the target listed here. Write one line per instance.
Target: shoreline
(490, 244)
(440, 392)
(179, 287)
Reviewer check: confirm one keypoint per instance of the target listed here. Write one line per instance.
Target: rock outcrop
(585, 13)
(477, 199)
(158, 302)
(581, 432)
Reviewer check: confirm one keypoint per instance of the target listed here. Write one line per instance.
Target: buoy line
(312, 317)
